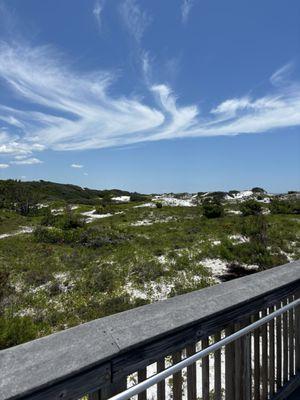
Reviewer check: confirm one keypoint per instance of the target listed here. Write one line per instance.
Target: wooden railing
(103, 357)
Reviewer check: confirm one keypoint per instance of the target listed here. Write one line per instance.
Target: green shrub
(138, 197)
(285, 207)
(146, 271)
(69, 221)
(16, 330)
(255, 227)
(250, 207)
(56, 235)
(158, 204)
(96, 237)
(213, 209)
(103, 278)
(48, 218)
(99, 209)
(5, 288)
(258, 190)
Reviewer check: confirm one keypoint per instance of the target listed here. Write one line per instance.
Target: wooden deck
(97, 357)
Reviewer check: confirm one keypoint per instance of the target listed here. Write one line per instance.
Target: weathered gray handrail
(82, 359)
(140, 387)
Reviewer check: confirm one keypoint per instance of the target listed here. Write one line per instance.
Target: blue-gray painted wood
(87, 351)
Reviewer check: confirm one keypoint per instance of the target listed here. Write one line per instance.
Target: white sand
(91, 216)
(122, 199)
(24, 229)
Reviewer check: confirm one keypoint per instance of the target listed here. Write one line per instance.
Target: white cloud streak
(26, 161)
(64, 110)
(76, 165)
(135, 19)
(186, 7)
(4, 166)
(97, 12)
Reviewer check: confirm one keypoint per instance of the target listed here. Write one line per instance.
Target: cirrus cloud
(60, 109)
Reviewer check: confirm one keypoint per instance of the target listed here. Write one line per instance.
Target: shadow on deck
(295, 395)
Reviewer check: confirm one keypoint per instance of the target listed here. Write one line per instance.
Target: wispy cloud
(135, 19)
(4, 166)
(97, 12)
(282, 75)
(186, 7)
(26, 161)
(66, 110)
(76, 166)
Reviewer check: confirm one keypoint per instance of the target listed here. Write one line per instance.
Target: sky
(151, 95)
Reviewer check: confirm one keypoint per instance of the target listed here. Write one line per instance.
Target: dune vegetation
(68, 259)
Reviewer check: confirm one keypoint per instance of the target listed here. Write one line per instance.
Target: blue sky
(153, 96)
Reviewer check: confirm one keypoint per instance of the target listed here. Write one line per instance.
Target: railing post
(229, 367)
(142, 375)
(218, 372)
(205, 371)
(264, 361)
(177, 378)
(191, 375)
(297, 334)
(161, 386)
(242, 366)
(114, 388)
(256, 353)
(271, 373)
(278, 350)
(247, 367)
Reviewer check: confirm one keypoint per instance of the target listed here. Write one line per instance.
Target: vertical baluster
(278, 350)
(297, 335)
(285, 371)
(256, 373)
(115, 388)
(161, 386)
(142, 375)
(238, 365)
(191, 374)
(217, 369)
(177, 378)
(205, 372)
(271, 372)
(229, 367)
(291, 340)
(264, 359)
(95, 395)
(242, 365)
(247, 367)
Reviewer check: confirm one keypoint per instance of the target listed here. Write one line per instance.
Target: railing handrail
(101, 351)
(160, 376)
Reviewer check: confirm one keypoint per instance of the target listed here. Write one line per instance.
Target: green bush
(213, 209)
(5, 288)
(66, 221)
(250, 207)
(99, 209)
(146, 271)
(284, 207)
(103, 278)
(258, 190)
(16, 330)
(158, 204)
(56, 235)
(96, 237)
(138, 197)
(48, 218)
(69, 221)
